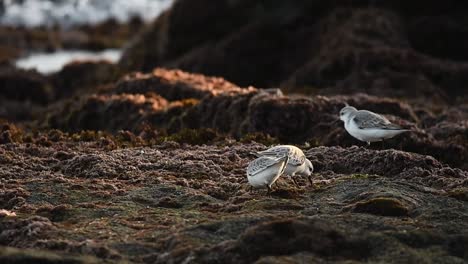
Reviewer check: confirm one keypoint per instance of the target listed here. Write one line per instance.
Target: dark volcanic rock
(168, 42)
(106, 112)
(334, 47)
(79, 77)
(367, 51)
(22, 85)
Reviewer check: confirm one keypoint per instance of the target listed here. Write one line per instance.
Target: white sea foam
(67, 13)
(48, 63)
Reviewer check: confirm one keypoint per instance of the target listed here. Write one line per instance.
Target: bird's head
(346, 111)
(309, 168)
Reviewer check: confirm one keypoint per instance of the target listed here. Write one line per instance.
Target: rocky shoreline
(144, 161)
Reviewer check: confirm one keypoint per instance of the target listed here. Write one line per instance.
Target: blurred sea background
(67, 14)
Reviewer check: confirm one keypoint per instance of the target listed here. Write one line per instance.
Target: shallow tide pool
(48, 63)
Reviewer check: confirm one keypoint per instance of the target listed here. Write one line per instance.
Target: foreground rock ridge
(144, 161)
(176, 202)
(151, 169)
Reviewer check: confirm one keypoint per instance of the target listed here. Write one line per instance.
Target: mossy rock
(194, 136)
(381, 206)
(459, 193)
(357, 176)
(259, 137)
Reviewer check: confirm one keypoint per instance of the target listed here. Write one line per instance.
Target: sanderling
(297, 163)
(264, 171)
(368, 126)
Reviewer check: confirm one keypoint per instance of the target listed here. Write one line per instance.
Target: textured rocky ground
(175, 202)
(101, 164)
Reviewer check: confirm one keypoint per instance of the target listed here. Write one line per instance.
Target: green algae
(259, 137)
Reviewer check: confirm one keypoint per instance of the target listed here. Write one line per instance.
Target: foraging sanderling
(368, 126)
(297, 162)
(264, 171)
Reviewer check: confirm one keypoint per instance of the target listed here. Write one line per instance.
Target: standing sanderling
(264, 171)
(297, 163)
(368, 126)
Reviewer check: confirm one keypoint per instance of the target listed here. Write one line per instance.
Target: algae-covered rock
(175, 202)
(393, 49)
(23, 85)
(174, 84)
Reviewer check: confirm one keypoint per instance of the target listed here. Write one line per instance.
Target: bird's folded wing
(295, 158)
(368, 120)
(263, 163)
(275, 152)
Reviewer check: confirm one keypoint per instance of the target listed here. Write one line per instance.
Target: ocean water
(48, 63)
(69, 13)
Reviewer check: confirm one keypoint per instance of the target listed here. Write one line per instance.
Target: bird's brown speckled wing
(368, 120)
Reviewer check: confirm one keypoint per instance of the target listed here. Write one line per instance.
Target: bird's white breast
(370, 134)
(267, 176)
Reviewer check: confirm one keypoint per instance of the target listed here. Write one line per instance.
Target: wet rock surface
(176, 202)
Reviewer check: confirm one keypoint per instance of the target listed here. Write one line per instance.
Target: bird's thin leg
(269, 189)
(295, 182)
(251, 189)
(383, 144)
(310, 180)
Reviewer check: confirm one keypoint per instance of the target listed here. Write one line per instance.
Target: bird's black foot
(310, 180)
(295, 182)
